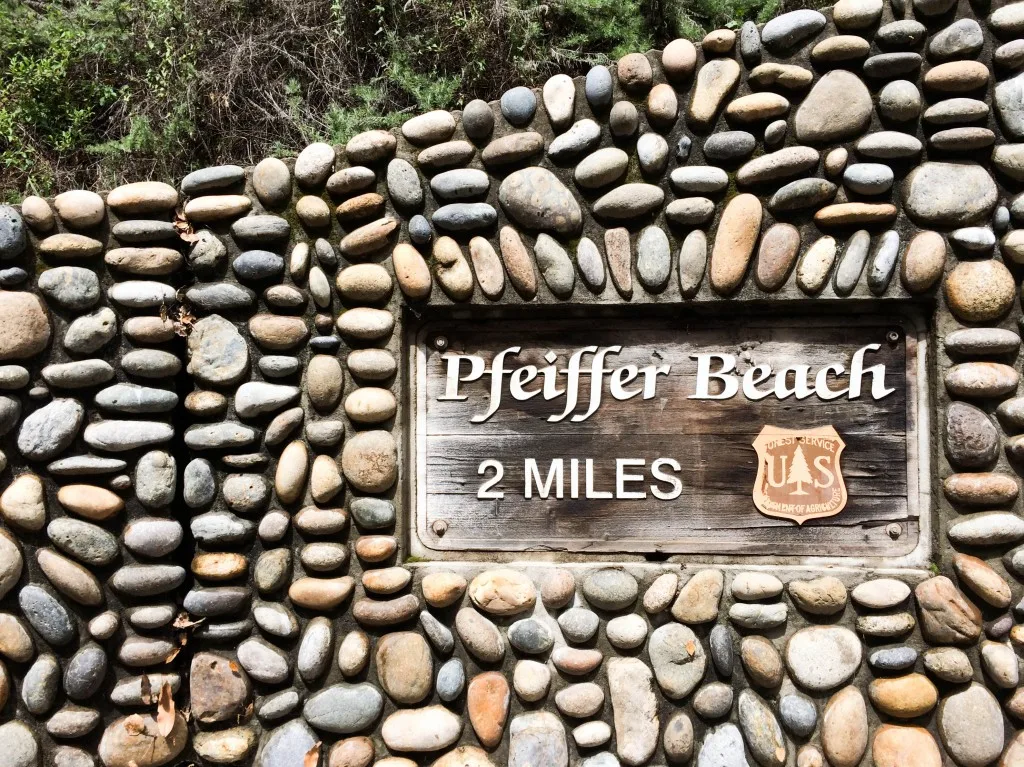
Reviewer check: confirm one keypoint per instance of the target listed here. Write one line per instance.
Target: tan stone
(325, 480)
(370, 461)
(662, 105)
(135, 741)
(370, 404)
(699, 598)
(375, 548)
(228, 746)
(1014, 754)
(321, 593)
(452, 268)
(489, 273)
(464, 756)
(79, 209)
(89, 501)
(150, 262)
(23, 503)
(404, 667)
(679, 59)
(980, 291)
(368, 238)
(734, 243)
(947, 616)
(359, 207)
(313, 211)
(518, 263)
(776, 256)
(715, 81)
(981, 579)
(761, 661)
(351, 752)
(718, 41)
(635, 72)
(290, 477)
(385, 612)
(24, 325)
(957, 77)
(844, 728)
(442, 589)
(557, 587)
(851, 213)
(821, 596)
(216, 207)
(981, 489)
(143, 197)
(278, 333)
(757, 107)
(324, 379)
(387, 580)
(219, 566)
(15, 640)
(70, 578)
(503, 592)
(895, 746)
(620, 259)
(411, 271)
(787, 76)
(924, 261)
(37, 214)
(576, 661)
(487, 701)
(904, 697)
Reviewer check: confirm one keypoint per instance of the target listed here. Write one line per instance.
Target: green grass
(93, 92)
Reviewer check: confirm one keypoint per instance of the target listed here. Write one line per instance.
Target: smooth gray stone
(602, 759)
(722, 653)
(982, 342)
(1001, 220)
(278, 365)
(153, 537)
(851, 263)
(760, 728)
(261, 230)
(419, 229)
(693, 259)
(86, 542)
(151, 363)
(85, 672)
(889, 145)
(128, 691)
(901, 34)
(579, 624)
(325, 253)
(372, 513)
(283, 425)
(974, 239)
(47, 615)
(69, 756)
(465, 216)
(286, 746)
(142, 294)
(78, 375)
(583, 136)
(802, 193)
(279, 705)
(451, 680)
(960, 40)
(73, 722)
(598, 87)
(210, 179)
(144, 231)
(775, 133)
(41, 684)
(147, 580)
(750, 44)
(263, 661)
(90, 332)
(344, 708)
(798, 714)
(221, 297)
(591, 264)
(314, 654)
(18, 745)
(729, 146)
(207, 253)
(12, 233)
(652, 153)
(972, 440)
(531, 636)
(255, 398)
(518, 105)
(199, 484)
(119, 436)
(218, 528)
(258, 265)
(477, 119)
(883, 262)
(555, 266)
(150, 617)
(893, 658)
(276, 619)
(219, 436)
(74, 288)
(868, 177)
(1010, 56)
(654, 259)
(246, 493)
(440, 636)
(888, 65)
(132, 398)
(696, 179)
(12, 276)
(10, 412)
(213, 602)
(224, 632)
(683, 147)
(50, 430)
(722, 747)
(790, 29)
(404, 187)
(458, 184)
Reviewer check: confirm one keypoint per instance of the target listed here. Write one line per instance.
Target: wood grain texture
(711, 439)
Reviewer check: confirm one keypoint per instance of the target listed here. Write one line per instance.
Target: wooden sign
(668, 435)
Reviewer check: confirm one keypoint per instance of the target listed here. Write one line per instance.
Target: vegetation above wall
(95, 91)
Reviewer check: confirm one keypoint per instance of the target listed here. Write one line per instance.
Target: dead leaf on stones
(184, 227)
(184, 620)
(146, 689)
(165, 710)
(312, 757)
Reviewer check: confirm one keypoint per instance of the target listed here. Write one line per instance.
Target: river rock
(634, 709)
(678, 659)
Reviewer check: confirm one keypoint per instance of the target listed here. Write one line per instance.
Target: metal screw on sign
(439, 527)
(894, 530)
(440, 343)
(893, 336)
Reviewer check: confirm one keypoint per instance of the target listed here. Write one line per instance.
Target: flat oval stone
(971, 726)
(48, 616)
(344, 708)
(432, 728)
(776, 166)
(503, 592)
(822, 658)
(802, 193)
(716, 80)
(734, 243)
(610, 589)
(790, 29)
(837, 108)
(72, 287)
(972, 440)
(678, 659)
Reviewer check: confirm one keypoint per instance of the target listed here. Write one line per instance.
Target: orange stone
(487, 700)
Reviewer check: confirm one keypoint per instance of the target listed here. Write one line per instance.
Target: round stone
(821, 658)
(610, 589)
(980, 291)
(678, 659)
(370, 461)
(971, 725)
(518, 105)
(404, 667)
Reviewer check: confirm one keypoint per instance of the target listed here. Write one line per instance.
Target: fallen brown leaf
(135, 725)
(165, 710)
(146, 687)
(312, 757)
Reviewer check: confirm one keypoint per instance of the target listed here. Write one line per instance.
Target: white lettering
(662, 476)
(554, 477)
(704, 375)
(621, 478)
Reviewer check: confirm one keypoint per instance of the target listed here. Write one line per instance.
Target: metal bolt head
(439, 527)
(893, 336)
(894, 530)
(440, 343)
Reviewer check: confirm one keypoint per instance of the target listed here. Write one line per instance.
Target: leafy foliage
(96, 91)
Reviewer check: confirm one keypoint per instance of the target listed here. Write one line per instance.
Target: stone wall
(204, 550)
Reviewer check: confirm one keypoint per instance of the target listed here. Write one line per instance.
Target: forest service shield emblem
(798, 473)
